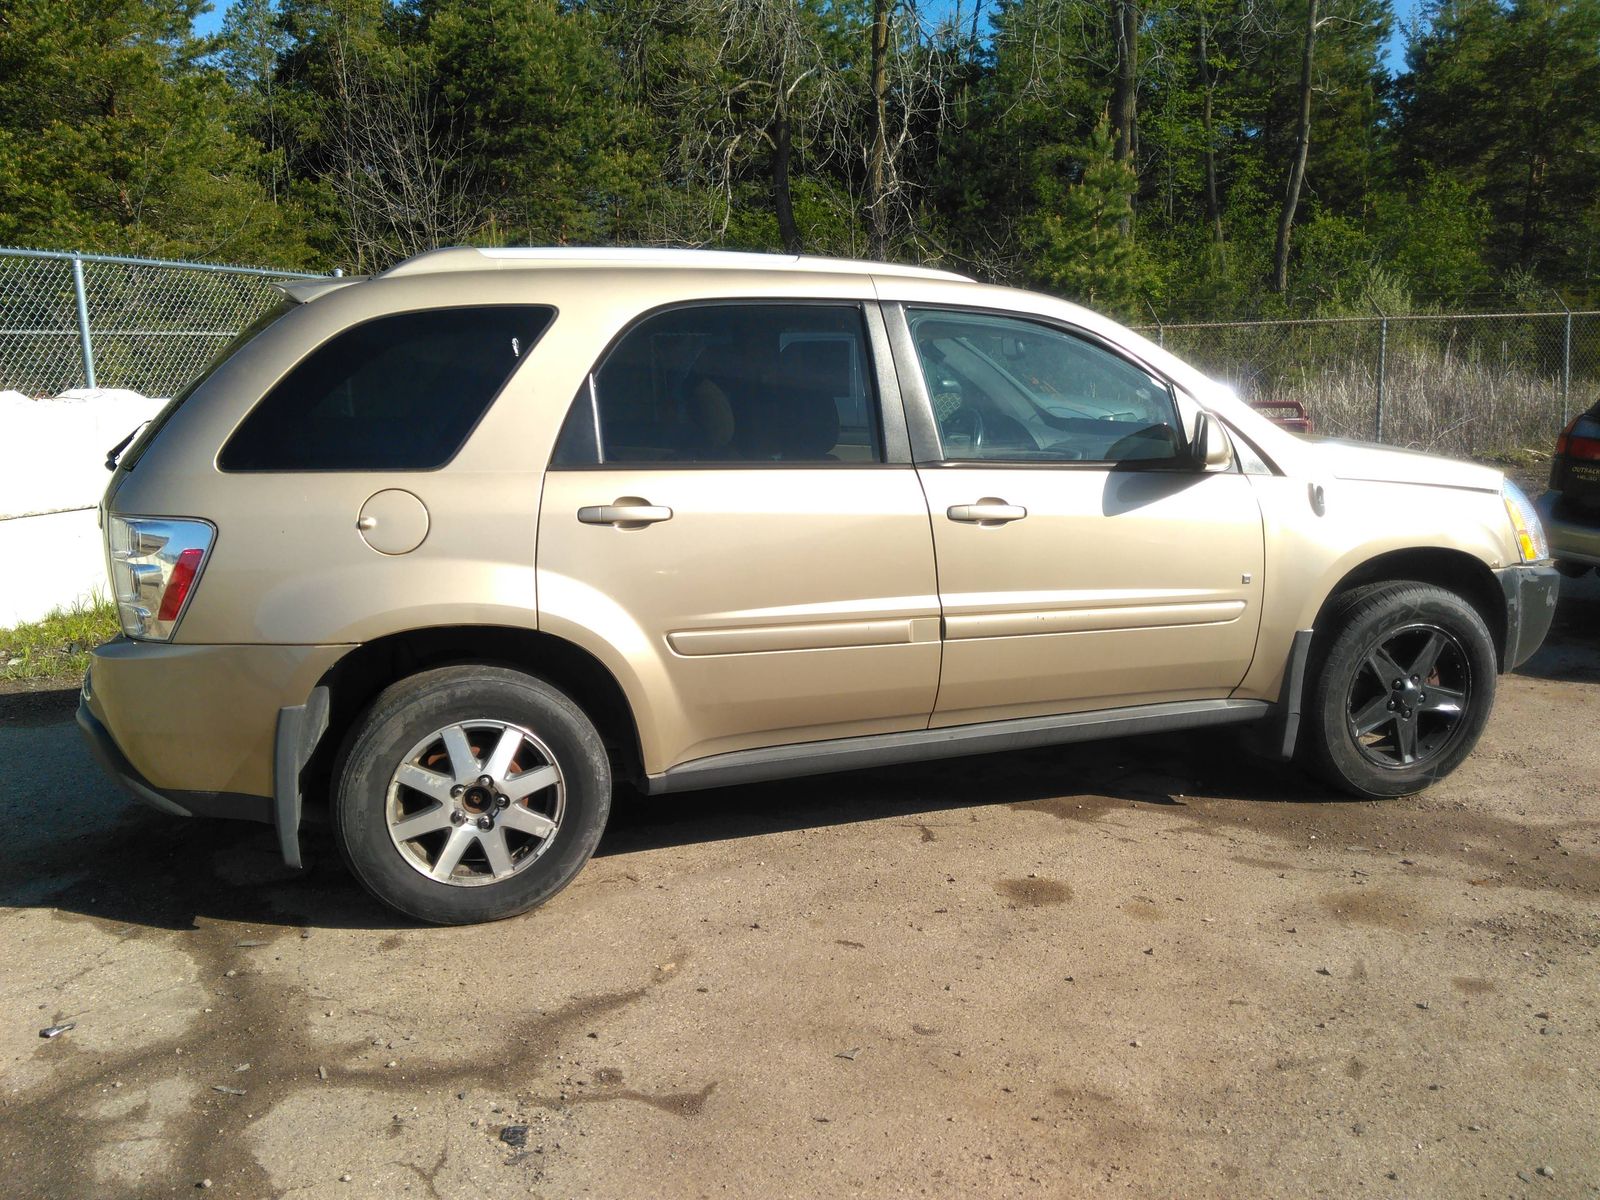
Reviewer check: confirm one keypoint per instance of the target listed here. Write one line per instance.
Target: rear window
(399, 393)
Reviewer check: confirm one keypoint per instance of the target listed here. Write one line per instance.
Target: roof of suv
(470, 258)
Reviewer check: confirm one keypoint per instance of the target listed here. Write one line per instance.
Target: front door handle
(628, 511)
(988, 511)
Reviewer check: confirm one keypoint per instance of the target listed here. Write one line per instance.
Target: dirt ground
(1150, 967)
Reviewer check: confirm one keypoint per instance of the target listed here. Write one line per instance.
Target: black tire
(1365, 735)
(476, 705)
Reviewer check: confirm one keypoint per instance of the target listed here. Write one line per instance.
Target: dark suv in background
(1571, 508)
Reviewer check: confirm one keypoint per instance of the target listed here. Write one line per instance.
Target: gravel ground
(1148, 967)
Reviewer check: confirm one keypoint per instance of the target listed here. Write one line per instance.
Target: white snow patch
(52, 476)
(54, 450)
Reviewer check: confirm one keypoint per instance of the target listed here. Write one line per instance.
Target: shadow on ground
(80, 845)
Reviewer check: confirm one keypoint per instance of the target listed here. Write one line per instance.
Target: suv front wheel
(469, 794)
(1405, 684)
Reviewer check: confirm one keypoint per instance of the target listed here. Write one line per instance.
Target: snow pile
(52, 458)
(54, 451)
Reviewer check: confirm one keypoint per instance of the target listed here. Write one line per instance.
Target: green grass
(58, 646)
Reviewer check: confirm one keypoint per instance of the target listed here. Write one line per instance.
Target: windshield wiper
(113, 454)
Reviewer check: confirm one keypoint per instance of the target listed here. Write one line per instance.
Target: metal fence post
(1566, 369)
(84, 340)
(1383, 362)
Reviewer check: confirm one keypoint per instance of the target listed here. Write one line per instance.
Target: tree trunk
(782, 202)
(877, 212)
(1124, 99)
(1125, 93)
(1207, 86)
(1297, 166)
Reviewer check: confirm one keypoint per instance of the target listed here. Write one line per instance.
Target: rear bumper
(1571, 540)
(209, 731)
(1531, 593)
(174, 803)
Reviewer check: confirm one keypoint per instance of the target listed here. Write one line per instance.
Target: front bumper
(1571, 540)
(1531, 593)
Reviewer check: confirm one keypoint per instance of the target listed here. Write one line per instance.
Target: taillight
(155, 563)
(1581, 439)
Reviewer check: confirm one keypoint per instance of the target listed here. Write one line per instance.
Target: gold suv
(461, 546)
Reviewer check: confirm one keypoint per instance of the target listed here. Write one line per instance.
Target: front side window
(1009, 390)
(398, 393)
(724, 384)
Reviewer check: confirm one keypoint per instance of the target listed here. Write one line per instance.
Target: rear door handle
(624, 513)
(987, 511)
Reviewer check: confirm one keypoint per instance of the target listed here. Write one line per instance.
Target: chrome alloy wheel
(475, 802)
(1409, 695)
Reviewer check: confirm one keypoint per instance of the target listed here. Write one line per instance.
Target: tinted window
(747, 383)
(1010, 390)
(397, 393)
(130, 457)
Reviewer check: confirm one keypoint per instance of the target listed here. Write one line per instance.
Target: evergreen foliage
(1134, 156)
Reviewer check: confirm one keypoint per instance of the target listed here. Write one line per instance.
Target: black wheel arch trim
(1531, 591)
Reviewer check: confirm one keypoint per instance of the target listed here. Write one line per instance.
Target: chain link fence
(1470, 385)
(1479, 384)
(94, 320)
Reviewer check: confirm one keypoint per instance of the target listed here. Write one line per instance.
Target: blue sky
(1394, 53)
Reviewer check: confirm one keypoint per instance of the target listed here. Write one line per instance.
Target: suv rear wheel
(469, 794)
(1404, 687)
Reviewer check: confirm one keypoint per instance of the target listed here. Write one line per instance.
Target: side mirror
(1210, 450)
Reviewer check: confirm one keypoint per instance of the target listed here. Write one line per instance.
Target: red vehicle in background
(1290, 414)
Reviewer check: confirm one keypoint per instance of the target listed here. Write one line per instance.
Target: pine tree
(1078, 237)
(114, 135)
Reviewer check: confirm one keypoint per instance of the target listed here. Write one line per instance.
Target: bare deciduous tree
(401, 173)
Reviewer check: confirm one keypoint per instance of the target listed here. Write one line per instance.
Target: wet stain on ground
(1077, 1097)
(1034, 892)
(1266, 864)
(679, 1104)
(252, 1017)
(1380, 908)
(1142, 908)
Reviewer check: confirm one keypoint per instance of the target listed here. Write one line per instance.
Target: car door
(1083, 562)
(731, 525)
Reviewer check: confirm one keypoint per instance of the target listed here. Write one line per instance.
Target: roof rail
(470, 258)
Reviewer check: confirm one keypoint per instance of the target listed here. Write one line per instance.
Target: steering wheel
(965, 422)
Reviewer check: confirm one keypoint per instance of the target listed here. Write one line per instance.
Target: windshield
(130, 458)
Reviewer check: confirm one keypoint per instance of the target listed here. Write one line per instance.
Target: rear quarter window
(398, 393)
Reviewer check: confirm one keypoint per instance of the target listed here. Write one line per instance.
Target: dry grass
(1469, 387)
(1436, 402)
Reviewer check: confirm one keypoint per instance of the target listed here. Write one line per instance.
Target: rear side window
(749, 384)
(131, 456)
(399, 393)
